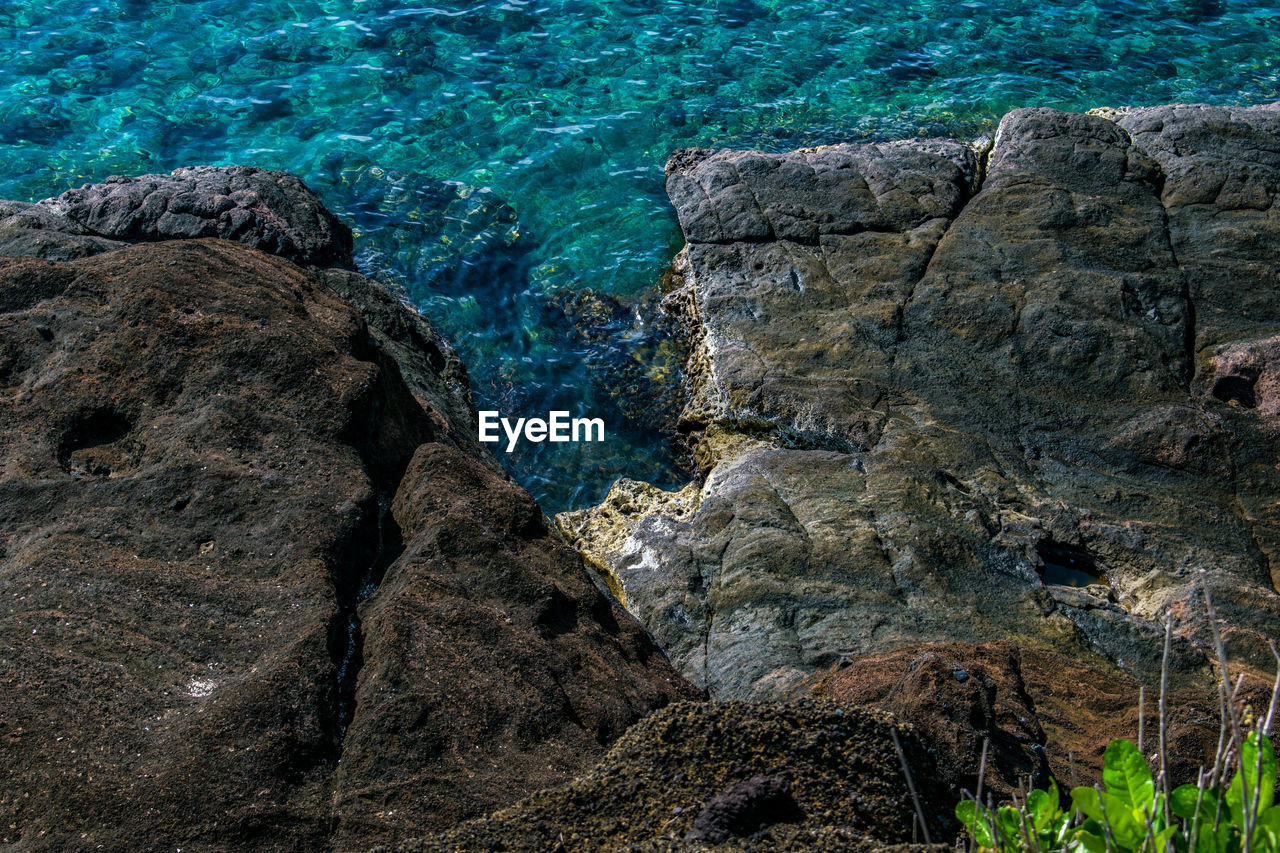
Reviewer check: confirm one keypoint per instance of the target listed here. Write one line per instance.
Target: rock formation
(731, 777)
(1018, 392)
(974, 422)
(270, 211)
(259, 587)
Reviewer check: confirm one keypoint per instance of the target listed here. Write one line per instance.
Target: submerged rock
(259, 587)
(632, 354)
(1017, 393)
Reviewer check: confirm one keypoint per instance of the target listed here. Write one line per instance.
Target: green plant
(1134, 811)
(1038, 823)
(1127, 814)
(1219, 822)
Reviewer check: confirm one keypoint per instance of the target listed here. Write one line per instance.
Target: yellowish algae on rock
(600, 530)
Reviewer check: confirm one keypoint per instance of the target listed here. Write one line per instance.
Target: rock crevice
(260, 588)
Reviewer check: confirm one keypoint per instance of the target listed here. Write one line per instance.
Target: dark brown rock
(743, 808)
(211, 458)
(492, 665)
(1038, 712)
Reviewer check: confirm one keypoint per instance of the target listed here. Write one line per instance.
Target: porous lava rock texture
(259, 587)
(1017, 394)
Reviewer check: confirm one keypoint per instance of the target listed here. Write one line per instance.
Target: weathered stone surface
(744, 808)
(858, 229)
(259, 590)
(427, 362)
(735, 196)
(1221, 177)
(35, 231)
(712, 776)
(271, 211)
(492, 665)
(931, 382)
(1038, 712)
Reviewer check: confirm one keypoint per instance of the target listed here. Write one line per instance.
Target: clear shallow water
(567, 110)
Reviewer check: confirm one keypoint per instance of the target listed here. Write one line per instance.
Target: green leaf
(1269, 772)
(1267, 837)
(1090, 842)
(1247, 779)
(1086, 800)
(1009, 824)
(1127, 776)
(1208, 841)
(1057, 832)
(1042, 809)
(1128, 825)
(1213, 808)
(1183, 800)
(975, 819)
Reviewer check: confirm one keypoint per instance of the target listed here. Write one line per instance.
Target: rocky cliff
(974, 420)
(259, 587)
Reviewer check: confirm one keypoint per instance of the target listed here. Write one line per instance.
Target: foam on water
(566, 110)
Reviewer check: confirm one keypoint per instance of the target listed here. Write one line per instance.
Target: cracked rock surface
(1021, 392)
(259, 587)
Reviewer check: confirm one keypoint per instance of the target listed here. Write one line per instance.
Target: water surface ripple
(416, 121)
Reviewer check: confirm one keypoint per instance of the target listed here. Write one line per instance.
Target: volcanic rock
(744, 808)
(259, 588)
(271, 211)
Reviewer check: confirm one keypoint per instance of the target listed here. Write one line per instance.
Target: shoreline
(249, 537)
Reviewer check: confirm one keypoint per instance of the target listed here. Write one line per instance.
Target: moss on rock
(839, 762)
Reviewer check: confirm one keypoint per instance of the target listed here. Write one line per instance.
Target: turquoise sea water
(565, 110)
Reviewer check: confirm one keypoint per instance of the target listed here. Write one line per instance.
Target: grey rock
(35, 231)
(271, 211)
(922, 370)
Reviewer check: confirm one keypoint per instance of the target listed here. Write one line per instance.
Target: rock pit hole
(1069, 565)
